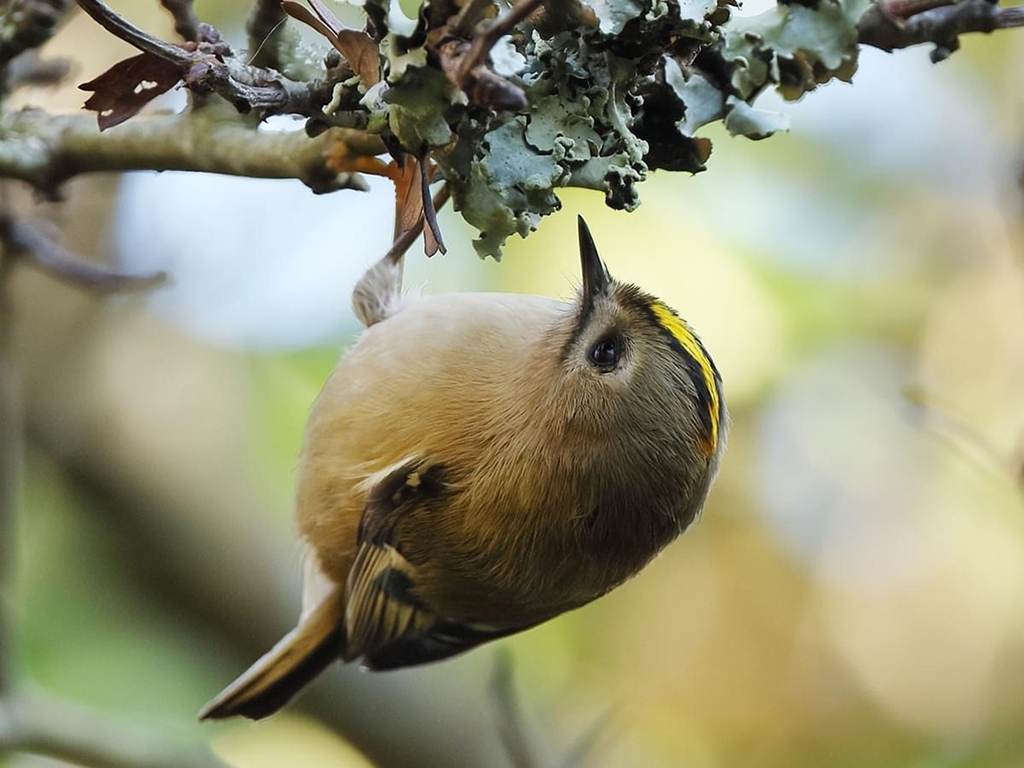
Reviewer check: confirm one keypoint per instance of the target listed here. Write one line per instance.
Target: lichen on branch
(615, 88)
(509, 103)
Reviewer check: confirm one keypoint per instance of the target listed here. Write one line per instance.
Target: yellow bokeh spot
(286, 740)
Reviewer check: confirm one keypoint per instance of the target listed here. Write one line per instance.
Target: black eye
(605, 354)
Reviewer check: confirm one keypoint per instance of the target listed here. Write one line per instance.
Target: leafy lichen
(619, 89)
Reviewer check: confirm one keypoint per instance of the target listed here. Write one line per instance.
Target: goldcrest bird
(480, 463)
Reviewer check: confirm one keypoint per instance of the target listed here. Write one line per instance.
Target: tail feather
(296, 659)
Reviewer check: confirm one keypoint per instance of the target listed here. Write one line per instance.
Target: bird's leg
(378, 294)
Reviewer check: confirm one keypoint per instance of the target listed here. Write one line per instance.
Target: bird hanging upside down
(480, 463)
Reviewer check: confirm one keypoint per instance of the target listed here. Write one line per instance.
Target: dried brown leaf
(432, 239)
(408, 194)
(362, 54)
(125, 88)
(414, 208)
(299, 12)
(327, 16)
(358, 48)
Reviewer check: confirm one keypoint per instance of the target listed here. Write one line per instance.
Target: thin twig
(1007, 18)
(45, 726)
(511, 727)
(264, 25)
(465, 63)
(186, 23)
(206, 67)
(942, 422)
(500, 27)
(405, 240)
(470, 15)
(121, 28)
(904, 9)
(584, 746)
(941, 26)
(36, 248)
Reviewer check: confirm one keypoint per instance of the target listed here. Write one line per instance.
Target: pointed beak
(595, 275)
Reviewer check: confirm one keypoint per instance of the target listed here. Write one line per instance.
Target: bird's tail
(300, 656)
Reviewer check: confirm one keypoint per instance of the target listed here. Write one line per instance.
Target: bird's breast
(446, 380)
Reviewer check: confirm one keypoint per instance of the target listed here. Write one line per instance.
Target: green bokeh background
(853, 593)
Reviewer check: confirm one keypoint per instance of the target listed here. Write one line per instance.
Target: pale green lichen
(610, 100)
(741, 119)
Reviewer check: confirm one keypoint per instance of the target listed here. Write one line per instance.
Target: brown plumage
(480, 463)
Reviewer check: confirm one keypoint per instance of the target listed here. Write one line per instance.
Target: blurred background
(854, 592)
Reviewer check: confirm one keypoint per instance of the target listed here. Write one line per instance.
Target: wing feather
(382, 605)
(388, 622)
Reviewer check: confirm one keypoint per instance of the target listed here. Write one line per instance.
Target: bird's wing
(387, 623)
(382, 604)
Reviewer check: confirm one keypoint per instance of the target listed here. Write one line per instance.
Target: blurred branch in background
(36, 248)
(186, 23)
(30, 723)
(10, 468)
(511, 723)
(579, 754)
(20, 35)
(31, 69)
(203, 563)
(42, 725)
(27, 24)
(20, 32)
(264, 26)
(941, 420)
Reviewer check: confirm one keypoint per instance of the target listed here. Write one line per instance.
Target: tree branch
(37, 248)
(465, 63)
(123, 29)
(53, 728)
(880, 28)
(207, 66)
(46, 150)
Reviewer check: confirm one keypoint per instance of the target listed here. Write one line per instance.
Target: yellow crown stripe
(681, 332)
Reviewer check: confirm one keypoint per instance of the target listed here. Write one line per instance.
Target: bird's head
(638, 380)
